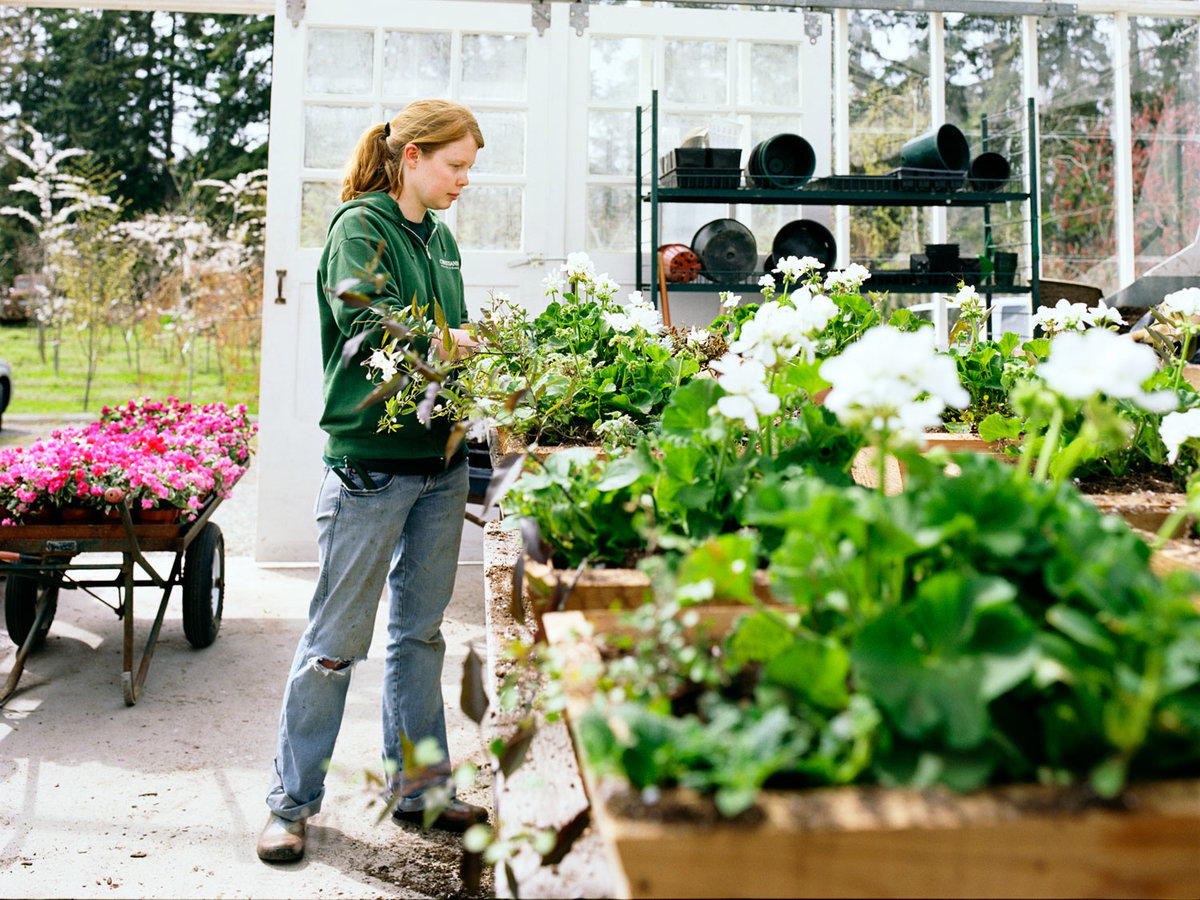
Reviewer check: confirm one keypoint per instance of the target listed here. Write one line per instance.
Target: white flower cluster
(1099, 361)
(779, 331)
(382, 363)
(1066, 316)
(970, 305)
(794, 268)
(1178, 427)
(1185, 302)
(745, 384)
(848, 279)
(892, 381)
(637, 315)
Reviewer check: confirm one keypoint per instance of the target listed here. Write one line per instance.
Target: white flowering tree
(195, 275)
(61, 196)
(93, 267)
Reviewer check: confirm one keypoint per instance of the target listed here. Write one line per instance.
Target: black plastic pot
(945, 148)
(804, 237)
(727, 250)
(1005, 268)
(943, 258)
(989, 172)
(784, 161)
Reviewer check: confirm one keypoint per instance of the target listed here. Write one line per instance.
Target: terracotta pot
(77, 515)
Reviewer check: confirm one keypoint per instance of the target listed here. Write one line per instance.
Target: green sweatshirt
(430, 270)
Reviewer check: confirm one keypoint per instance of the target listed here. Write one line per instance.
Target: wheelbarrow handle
(9, 556)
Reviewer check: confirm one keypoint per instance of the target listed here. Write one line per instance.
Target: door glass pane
(610, 212)
(416, 64)
(1166, 120)
(330, 133)
(493, 66)
(489, 218)
(610, 142)
(696, 72)
(340, 61)
(889, 103)
(504, 143)
(673, 128)
(1078, 215)
(318, 200)
(615, 66)
(983, 78)
(775, 74)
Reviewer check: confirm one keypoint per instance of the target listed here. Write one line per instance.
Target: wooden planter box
(604, 589)
(1019, 841)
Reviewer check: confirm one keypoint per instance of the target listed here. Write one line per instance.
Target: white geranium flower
(1185, 302)
(645, 317)
(579, 267)
(892, 380)
(745, 384)
(791, 267)
(1064, 316)
(729, 299)
(1099, 361)
(552, 284)
(635, 298)
(1104, 315)
(618, 321)
(848, 279)
(1178, 427)
(968, 301)
(606, 288)
(697, 336)
(778, 332)
(766, 285)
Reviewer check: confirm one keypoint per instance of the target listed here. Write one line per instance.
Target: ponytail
(377, 161)
(371, 166)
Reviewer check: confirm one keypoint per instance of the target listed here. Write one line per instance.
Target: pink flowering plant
(158, 454)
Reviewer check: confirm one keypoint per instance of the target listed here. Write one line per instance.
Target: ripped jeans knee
(327, 665)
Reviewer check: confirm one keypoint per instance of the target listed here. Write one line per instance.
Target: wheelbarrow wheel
(204, 586)
(21, 596)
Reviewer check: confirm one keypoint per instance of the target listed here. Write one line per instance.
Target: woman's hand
(464, 344)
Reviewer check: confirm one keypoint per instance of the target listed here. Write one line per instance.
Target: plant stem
(1049, 445)
(1183, 358)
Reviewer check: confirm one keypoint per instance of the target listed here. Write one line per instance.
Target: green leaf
(624, 471)
(758, 638)
(996, 427)
(1081, 628)
(687, 412)
(815, 668)
(726, 563)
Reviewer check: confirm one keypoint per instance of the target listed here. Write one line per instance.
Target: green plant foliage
(985, 628)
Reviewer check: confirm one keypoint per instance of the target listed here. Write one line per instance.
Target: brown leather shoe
(456, 817)
(282, 840)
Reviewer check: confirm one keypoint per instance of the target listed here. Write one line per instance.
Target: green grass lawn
(164, 373)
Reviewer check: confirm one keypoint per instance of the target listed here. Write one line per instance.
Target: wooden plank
(547, 790)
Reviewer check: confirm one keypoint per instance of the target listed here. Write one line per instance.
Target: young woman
(390, 509)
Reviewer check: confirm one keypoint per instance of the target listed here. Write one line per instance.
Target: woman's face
(436, 179)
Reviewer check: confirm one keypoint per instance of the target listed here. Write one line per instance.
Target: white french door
(556, 174)
(342, 67)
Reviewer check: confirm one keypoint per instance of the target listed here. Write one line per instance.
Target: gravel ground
(165, 799)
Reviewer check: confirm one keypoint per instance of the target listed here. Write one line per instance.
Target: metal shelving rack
(649, 192)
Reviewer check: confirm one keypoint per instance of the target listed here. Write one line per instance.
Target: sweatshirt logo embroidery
(449, 263)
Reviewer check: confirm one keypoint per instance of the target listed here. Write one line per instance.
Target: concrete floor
(165, 799)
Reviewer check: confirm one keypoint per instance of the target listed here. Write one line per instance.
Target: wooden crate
(1019, 841)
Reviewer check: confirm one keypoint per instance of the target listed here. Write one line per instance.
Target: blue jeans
(406, 532)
